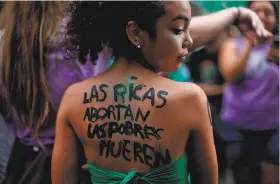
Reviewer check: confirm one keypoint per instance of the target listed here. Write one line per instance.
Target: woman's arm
(65, 165)
(205, 28)
(201, 151)
(231, 64)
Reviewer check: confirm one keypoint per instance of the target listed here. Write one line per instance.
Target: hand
(253, 38)
(245, 15)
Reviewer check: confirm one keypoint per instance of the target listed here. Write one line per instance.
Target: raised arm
(65, 165)
(231, 64)
(205, 28)
(201, 151)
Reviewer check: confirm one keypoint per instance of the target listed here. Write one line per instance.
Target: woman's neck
(124, 65)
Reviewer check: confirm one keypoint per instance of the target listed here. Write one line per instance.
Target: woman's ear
(133, 33)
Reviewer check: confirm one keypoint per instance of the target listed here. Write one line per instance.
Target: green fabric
(111, 62)
(176, 171)
(214, 6)
(180, 75)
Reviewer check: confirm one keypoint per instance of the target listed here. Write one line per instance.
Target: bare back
(130, 118)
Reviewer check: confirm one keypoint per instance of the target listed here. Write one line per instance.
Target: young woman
(250, 109)
(35, 71)
(134, 125)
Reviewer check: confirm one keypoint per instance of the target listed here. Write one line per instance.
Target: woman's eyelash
(178, 31)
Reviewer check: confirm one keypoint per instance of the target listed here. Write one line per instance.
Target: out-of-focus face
(266, 13)
(168, 50)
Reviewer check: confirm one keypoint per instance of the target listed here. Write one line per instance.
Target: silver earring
(138, 46)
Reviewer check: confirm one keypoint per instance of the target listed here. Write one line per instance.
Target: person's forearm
(205, 28)
(238, 67)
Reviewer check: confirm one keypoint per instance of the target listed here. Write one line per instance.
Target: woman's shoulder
(189, 100)
(185, 94)
(188, 89)
(193, 94)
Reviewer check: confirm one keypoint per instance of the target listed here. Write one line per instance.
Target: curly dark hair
(94, 25)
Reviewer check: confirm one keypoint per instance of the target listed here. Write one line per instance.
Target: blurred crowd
(241, 82)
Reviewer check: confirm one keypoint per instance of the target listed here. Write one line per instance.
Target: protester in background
(250, 109)
(35, 71)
